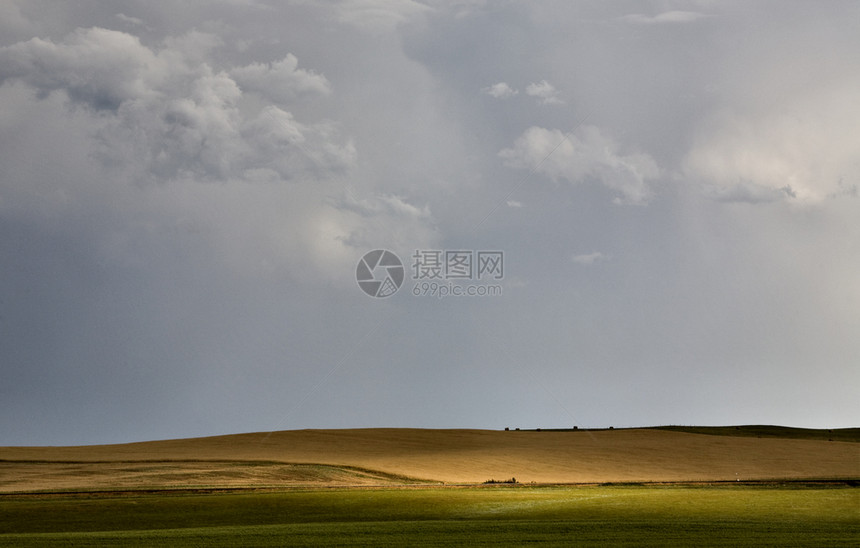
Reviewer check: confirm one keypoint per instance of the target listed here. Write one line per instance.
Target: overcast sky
(186, 190)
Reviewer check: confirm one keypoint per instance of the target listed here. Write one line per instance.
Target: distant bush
(492, 481)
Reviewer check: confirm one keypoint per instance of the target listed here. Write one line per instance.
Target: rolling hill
(398, 456)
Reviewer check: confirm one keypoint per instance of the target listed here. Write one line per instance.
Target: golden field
(397, 456)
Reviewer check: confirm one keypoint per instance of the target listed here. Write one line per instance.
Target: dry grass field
(363, 457)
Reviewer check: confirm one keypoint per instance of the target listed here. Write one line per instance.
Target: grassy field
(601, 515)
(402, 487)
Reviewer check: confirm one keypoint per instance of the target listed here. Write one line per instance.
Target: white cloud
(667, 17)
(500, 90)
(97, 67)
(389, 204)
(280, 81)
(798, 149)
(589, 259)
(277, 141)
(514, 203)
(176, 117)
(587, 153)
(545, 92)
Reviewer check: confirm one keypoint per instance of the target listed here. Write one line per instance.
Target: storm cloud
(185, 193)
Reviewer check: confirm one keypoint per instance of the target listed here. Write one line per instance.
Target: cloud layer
(185, 194)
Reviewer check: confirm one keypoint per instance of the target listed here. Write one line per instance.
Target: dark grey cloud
(185, 191)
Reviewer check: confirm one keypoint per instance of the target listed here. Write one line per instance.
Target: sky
(187, 190)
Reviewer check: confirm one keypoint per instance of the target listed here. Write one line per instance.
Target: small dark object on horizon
(492, 481)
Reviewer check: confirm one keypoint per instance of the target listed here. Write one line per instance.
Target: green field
(602, 515)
